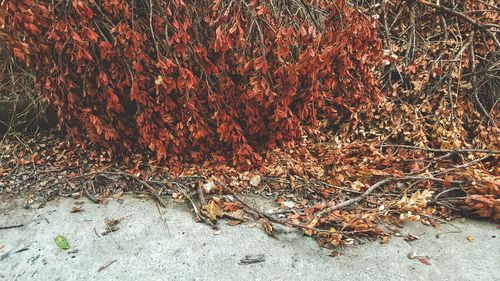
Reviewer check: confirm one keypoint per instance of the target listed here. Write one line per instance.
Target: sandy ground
(145, 248)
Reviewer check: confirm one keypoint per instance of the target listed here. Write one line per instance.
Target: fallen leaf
(117, 195)
(61, 242)
(385, 239)
(232, 206)
(334, 254)
(410, 237)
(233, 222)
(268, 227)
(111, 225)
(255, 180)
(73, 186)
(76, 210)
(423, 261)
(212, 210)
(159, 80)
(208, 187)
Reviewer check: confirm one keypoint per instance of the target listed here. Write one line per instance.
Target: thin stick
(90, 196)
(445, 191)
(353, 200)
(201, 195)
(269, 217)
(373, 188)
(136, 178)
(106, 265)
(11, 226)
(442, 150)
(199, 215)
(456, 13)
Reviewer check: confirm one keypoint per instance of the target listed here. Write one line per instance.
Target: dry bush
(183, 79)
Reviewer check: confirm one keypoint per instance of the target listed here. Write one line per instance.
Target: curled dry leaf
(76, 210)
(233, 222)
(385, 239)
(267, 227)
(111, 225)
(416, 201)
(212, 210)
(255, 180)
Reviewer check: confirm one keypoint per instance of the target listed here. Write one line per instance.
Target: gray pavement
(146, 249)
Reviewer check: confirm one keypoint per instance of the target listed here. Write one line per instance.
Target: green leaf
(61, 242)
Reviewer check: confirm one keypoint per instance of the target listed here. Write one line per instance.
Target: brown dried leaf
(255, 180)
(212, 210)
(233, 222)
(268, 227)
(76, 210)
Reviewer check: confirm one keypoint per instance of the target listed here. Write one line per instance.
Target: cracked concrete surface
(144, 248)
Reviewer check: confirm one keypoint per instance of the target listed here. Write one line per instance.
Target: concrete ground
(144, 248)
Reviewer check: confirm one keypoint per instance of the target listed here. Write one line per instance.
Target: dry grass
(21, 106)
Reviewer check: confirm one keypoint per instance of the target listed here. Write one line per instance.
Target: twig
(269, 217)
(199, 215)
(353, 200)
(459, 151)
(162, 219)
(458, 14)
(136, 178)
(90, 196)
(11, 226)
(151, 188)
(373, 188)
(445, 191)
(106, 265)
(470, 163)
(411, 40)
(474, 85)
(201, 195)
(95, 231)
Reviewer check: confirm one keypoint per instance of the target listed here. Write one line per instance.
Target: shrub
(186, 78)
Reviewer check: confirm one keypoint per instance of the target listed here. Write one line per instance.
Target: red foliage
(186, 78)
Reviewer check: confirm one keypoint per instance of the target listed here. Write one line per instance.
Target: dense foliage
(184, 78)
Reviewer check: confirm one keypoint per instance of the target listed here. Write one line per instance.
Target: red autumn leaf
(34, 29)
(424, 260)
(19, 54)
(91, 35)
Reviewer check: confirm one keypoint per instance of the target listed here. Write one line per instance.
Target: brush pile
(355, 115)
